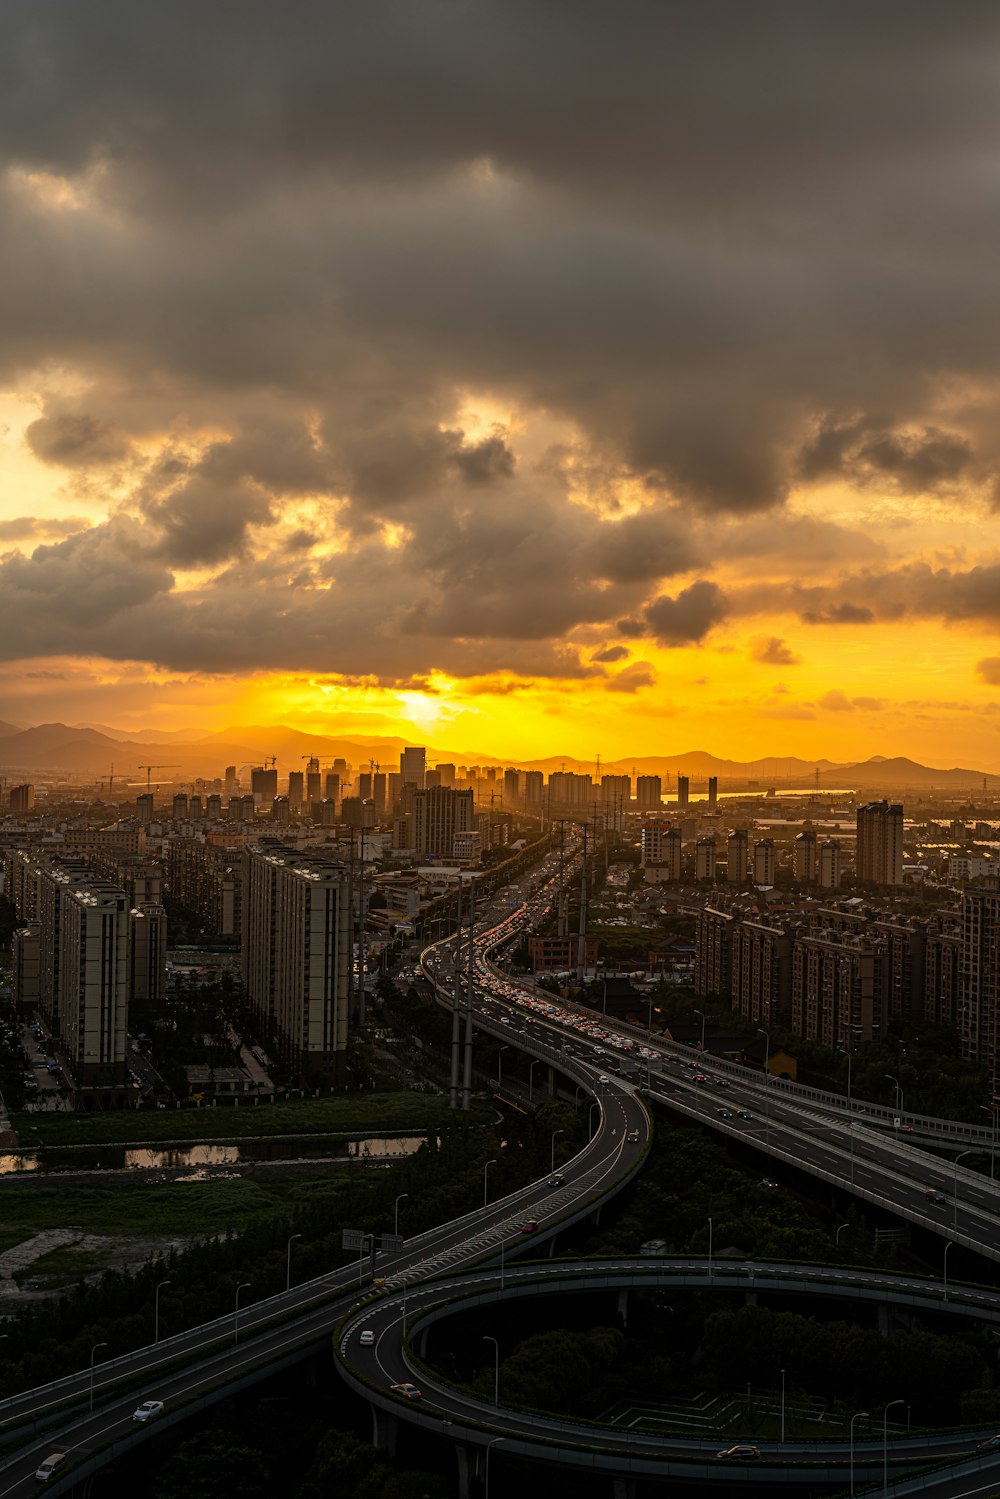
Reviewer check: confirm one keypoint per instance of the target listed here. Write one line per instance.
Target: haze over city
(427, 378)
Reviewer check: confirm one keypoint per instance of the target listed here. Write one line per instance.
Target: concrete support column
(883, 1319)
(750, 1299)
(550, 1082)
(621, 1306)
(624, 1488)
(386, 1431)
(468, 1469)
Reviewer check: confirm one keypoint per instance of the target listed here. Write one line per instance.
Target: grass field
(369, 1113)
(131, 1208)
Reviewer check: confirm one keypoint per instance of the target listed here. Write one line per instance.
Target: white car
(46, 1469)
(148, 1410)
(367, 1338)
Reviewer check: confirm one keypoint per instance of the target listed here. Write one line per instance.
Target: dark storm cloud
(696, 232)
(688, 617)
(870, 451)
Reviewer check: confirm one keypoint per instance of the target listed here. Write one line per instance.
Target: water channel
(180, 1157)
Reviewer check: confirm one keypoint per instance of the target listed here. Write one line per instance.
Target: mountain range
(82, 750)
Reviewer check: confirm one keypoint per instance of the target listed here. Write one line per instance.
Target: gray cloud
(775, 652)
(688, 617)
(610, 654)
(323, 237)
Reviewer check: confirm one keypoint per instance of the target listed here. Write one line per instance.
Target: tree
(214, 1463)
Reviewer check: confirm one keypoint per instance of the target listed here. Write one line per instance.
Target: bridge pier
(750, 1299)
(624, 1488)
(468, 1469)
(386, 1431)
(621, 1306)
(883, 1318)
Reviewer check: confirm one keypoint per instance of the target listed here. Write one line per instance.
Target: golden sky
(420, 373)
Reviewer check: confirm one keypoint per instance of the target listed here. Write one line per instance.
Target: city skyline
(460, 409)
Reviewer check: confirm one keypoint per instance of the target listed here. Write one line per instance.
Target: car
(45, 1469)
(744, 1114)
(632, 1137)
(989, 1443)
(768, 1181)
(721, 1082)
(603, 1079)
(741, 1450)
(725, 1113)
(366, 1337)
(530, 1226)
(408, 1391)
(148, 1410)
(935, 1196)
(556, 1180)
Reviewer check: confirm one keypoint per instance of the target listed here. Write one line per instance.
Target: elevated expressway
(629, 1454)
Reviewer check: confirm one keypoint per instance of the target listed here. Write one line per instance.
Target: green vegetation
(371, 1113)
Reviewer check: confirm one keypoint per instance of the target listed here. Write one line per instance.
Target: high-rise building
(144, 807)
(296, 956)
(511, 788)
(231, 785)
(147, 960)
(296, 790)
(879, 857)
(737, 855)
(22, 799)
(332, 786)
(830, 864)
(263, 785)
(979, 1006)
(942, 971)
(439, 814)
(714, 952)
(180, 809)
(447, 774)
(713, 791)
(761, 971)
(806, 849)
(836, 984)
(683, 790)
(662, 846)
(533, 790)
(764, 862)
(413, 766)
(648, 793)
(704, 860)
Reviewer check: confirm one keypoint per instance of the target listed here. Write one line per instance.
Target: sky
(533, 375)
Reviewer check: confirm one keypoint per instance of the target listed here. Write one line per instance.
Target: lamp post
(500, 1065)
(702, 1014)
(486, 1180)
(395, 1215)
(288, 1261)
(156, 1317)
(489, 1448)
(555, 1133)
(496, 1367)
(649, 1022)
(946, 1248)
(236, 1315)
(885, 1442)
(961, 1153)
(840, 1230)
(856, 1417)
(710, 1249)
(531, 1078)
(92, 1352)
(782, 1407)
(899, 1098)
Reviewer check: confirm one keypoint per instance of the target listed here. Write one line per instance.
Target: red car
(530, 1227)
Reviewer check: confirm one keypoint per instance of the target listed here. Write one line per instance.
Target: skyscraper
(413, 766)
(879, 857)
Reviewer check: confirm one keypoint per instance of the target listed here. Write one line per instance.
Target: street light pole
(857, 1416)
(702, 1014)
(946, 1248)
(92, 1352)
(496, 1367)
(244, 1285)
(899, 1099)
(555, 1132)
(531, 1078)
(710, 1249)
(885, 1442)
(782, 1407)
(767, 1085)
(395, 1215)
(486, 1178)
(156, 1321)
(500, 1065)
(840, 1230)
(590, 1118)
(489, 1448)
(288, 1261)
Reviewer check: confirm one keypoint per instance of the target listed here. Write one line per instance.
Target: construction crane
(374, 767)
(149, 771)
(270, 761)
